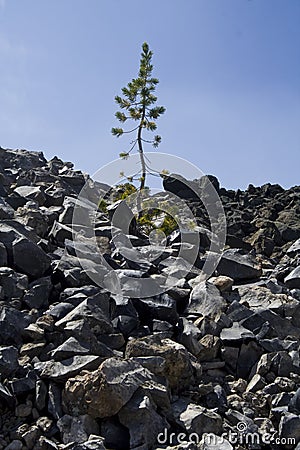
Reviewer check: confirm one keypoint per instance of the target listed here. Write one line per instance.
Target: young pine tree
(138, 104)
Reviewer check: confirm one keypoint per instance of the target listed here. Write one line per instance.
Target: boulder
(29, 258)
(205, 300)
(104, 392)
(239, 265)
(177, 368)
(139, 415)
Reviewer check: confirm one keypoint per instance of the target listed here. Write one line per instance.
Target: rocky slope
(83, 368)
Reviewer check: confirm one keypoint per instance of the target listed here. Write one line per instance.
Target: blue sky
(229, 74)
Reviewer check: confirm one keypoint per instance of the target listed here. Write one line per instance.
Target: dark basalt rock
(155, 349)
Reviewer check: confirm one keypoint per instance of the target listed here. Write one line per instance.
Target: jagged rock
(294, 249)
(140, 417)
(196, 419)
(162, 307)
(95, 311)
(205, 300)
(189, 336)
(55, 400)
(77, 429)
(222, 282)
(177, 368)
(115, 435)
(33, 216)
(104, 392)
(94, 443)
(41, 392)
(289, 426)
(7, 397)
(31, 192)
(29, 258)
(209, 347)
(122, 217)
(6, 211)
(24, 385)
(13, 284)
(236, 333)
(72, 347)
(294, 403)
(292, 281)
(8, 361)
(67, 368)
(13, 322)
(239, 265)
(38, 293)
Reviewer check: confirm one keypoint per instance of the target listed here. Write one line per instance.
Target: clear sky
(229, 74)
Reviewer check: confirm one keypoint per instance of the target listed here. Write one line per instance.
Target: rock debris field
(84, 368)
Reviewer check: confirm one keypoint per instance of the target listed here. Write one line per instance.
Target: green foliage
(123, 191)
(147, 222)
(102, 205)
(138, 104)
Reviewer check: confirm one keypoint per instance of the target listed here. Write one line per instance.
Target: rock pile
(82, 368)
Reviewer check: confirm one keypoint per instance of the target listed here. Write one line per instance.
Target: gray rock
(21, 158)
(94, 443)
(3, 255)
(205, 300)
(257, 383)
(13, 323)
(6, 396)
(144, 423)
(8, 361)
(236, 333)
(196, 419)
(289, 427)
(32, 216)
(217, 399)
(29, 258)
(294, 249)
(115, 435)
(292, 281)
(62, 370)
(32, 192)
(6, 211)
(239, 265)
(14, 445)
(161, 307)
(189, 336)
(294, 404)
(44, 443)
(72, 347)
(54, 196)
(95, 311)
(13, 284)
(77, 429)
(55, 400)
(59, 232)
(40, 395)
(38, 293)
(122, 217)
(24, 385)
(210, 346)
